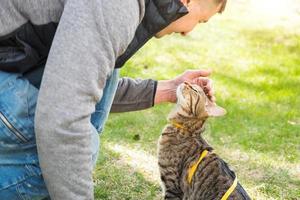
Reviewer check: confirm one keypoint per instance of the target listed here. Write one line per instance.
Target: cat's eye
(194, 89)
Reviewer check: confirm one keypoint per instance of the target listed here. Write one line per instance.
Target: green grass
(119, 183)
(256, 78)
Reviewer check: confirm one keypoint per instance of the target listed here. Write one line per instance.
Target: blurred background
(254, 51)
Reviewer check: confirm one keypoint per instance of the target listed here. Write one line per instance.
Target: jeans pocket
(10, 133)
(17, 105)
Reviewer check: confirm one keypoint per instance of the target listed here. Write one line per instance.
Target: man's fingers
(201, 81)
(207, 85)
(204, 83)
(198, 73)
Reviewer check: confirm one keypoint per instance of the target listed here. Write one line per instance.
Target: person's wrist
(171, 86)
(165, 92)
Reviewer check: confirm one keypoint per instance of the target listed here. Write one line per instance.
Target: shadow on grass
(263, 179)
(271, 176)
(115, 181)
(256, 127)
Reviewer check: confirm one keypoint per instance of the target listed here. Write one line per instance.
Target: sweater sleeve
(134, 94)
(90, 36)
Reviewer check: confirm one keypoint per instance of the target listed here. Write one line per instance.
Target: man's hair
(223, 2)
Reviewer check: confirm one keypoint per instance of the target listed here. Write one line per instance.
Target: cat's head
(192, 102)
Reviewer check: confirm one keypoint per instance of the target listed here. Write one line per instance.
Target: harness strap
(177, 125)
(193, 168)
(230, 190)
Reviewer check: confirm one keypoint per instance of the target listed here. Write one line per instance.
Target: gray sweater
(90, 36)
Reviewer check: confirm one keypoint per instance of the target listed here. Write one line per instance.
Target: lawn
(255, 56)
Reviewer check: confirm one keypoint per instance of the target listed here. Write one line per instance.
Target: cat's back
(213, 179)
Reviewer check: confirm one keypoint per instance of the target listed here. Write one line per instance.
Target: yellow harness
(193, 168)
(178, 125)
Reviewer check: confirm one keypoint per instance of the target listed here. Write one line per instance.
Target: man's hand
(166, 90)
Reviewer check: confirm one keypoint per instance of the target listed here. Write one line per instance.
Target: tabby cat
(188, 167)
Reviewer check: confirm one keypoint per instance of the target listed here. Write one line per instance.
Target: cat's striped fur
(180, 146)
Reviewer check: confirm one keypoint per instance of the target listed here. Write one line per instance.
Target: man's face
(200, 11)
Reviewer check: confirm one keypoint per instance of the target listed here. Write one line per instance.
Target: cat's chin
(180, 98)
(182, 103)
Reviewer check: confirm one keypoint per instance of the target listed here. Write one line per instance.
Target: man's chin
(158, 35)
(162, 33)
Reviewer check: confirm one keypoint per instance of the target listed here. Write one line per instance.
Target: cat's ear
(213, 110)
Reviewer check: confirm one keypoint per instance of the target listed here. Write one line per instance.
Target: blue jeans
(20, 173)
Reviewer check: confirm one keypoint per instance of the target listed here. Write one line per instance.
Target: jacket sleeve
(90, 36)
(134, 94)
